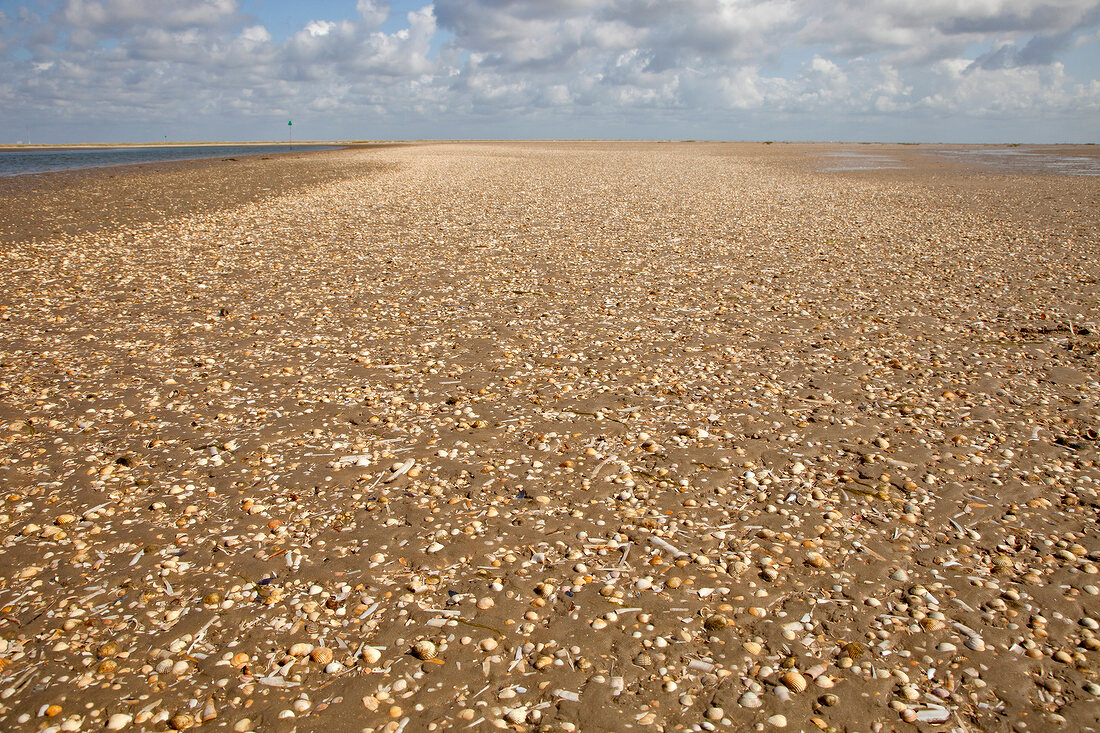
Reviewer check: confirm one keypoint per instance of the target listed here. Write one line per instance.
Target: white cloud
(373, 12)
(255, 34)
(120, 14)
(318, 28)
(491, 62)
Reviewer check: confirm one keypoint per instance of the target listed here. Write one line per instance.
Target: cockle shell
(424, 650)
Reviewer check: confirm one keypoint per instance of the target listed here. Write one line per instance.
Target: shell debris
(701, 427)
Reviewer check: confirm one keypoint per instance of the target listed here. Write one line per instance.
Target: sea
(23, 162)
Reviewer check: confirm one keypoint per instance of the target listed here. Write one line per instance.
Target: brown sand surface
(550, 436)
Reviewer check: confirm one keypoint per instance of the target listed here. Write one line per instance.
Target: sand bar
(550, 436)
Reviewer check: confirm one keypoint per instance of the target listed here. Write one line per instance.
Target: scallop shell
(371, 655)
(424, 650)
(794, 681)
(321, 655)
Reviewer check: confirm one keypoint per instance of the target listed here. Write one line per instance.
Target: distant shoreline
(17, 147)
(36, 147)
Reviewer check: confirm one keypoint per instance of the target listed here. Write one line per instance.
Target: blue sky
(284, 19)
(892, 70)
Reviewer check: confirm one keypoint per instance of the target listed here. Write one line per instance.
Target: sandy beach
(551, 437)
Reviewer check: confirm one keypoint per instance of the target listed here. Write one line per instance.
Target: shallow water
(863, 162)
(1025, 160)
(21, 162)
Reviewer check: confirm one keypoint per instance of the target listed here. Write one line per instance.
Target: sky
(853, 70)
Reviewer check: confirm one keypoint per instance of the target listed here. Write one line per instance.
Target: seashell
(714, 623)
(854, 650)
(239, 660)
(321, 655)
(300, 649)
(750, 700)
(118, 721)
(794, 680)
(208, 710)
(108, 649)
(424, 650)
(181, 721)
(371, 655)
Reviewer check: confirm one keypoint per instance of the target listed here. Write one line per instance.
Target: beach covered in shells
(551, 437)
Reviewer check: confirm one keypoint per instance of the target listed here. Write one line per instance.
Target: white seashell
(371, 655)
(399, 471)
(424, 650)
(118, 721)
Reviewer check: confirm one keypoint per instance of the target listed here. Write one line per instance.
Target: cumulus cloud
(373, 12)
(118, 15)
(679, 63)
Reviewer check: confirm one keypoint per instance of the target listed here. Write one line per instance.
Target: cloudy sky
(904, 70)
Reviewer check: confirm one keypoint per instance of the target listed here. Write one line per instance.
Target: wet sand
(550, 436)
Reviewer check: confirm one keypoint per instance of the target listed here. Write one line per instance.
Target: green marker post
(290, 132)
